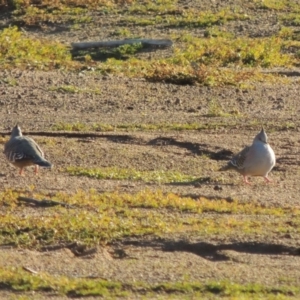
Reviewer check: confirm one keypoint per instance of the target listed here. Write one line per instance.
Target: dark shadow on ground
(97, 55)
(212, 198)
(196, 182)
(213, 252)
(200, 182)
(195, 148)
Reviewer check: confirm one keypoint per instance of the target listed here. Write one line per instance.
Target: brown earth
(36, 107)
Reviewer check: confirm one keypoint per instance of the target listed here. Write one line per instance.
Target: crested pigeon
(255, 160)
(23, 151)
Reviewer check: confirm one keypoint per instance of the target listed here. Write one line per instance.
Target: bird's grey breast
(262, 159)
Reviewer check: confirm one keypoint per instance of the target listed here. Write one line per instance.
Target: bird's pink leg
(21, 172)
(246, 180)
(36, 169)
(268, 180)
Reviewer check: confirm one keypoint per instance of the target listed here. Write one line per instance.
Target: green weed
(217, 59)
(203, 61)
(123, 32)
(10, 81)
(74, 89)
(125, 127)
(187, 18)
(130, 174)
(292, 19)
(273, 4)
(16, 279)
(128, 49)
(233, 119)
(151, 7)
(99, 218)
(215, 109)
(19, 51)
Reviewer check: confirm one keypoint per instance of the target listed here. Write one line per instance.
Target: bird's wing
(33, 146)
(22, 148)
(238, 161)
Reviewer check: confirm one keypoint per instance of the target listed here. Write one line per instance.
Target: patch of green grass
(76, 4)
(212, 32)
(74, 89)
(233, 119)
(203, 75)
(118, 53)
(10, 81)
(158, 199)
(123, 32)
(227, 288)
(130, 20)
(292, 19)
(18, 51)
(130, 174)
(275, 4)
(32, 13)
(210, 61)
(19, 280)
(216, 110)
(154, 7)
(187, 18)
(224, 51)
(120, 127)
(71, 127)
(221, 59)
(77, 11)
(286, 33)
(128, 49)
(16, 279)
(100, 218)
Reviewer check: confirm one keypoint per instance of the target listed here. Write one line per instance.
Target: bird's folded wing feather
(238, 160)
(20, 149)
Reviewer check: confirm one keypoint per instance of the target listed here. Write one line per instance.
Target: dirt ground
(34, 104)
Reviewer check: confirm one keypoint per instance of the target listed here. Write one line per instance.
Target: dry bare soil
(268, 257)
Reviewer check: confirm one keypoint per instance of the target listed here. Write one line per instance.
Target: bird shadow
(207, 180)
(196, 182)
(212, 251)
(194, 148)
(125, 139)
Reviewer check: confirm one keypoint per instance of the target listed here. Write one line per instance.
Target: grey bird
(22, 151)
(255, 160)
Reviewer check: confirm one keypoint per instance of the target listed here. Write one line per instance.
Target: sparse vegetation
(153, 206)
(215, 110)
(73, 89)
(291, 19)
(217, 59)
(125, 215)
(137, 127)
(233, 119)
(16, 50)
(19, 280)
(131, 174)
(276, 4)
(188, 19)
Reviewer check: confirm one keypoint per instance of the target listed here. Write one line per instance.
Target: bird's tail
(43, 163)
